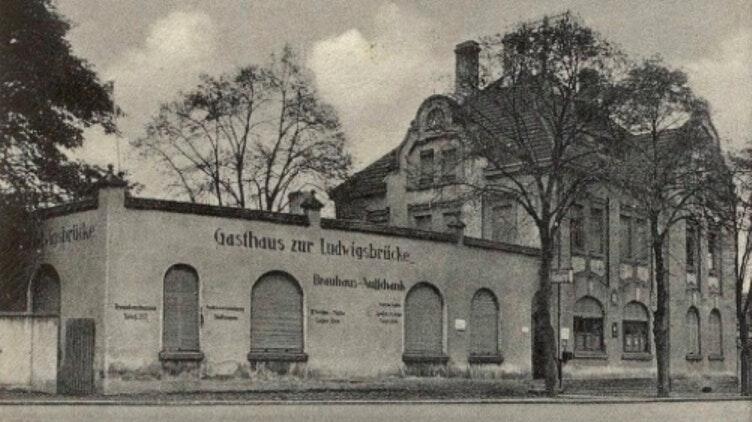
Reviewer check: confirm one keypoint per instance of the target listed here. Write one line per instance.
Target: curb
(571, 400)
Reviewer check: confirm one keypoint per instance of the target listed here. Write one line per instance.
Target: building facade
(157, 295)
(603, 316)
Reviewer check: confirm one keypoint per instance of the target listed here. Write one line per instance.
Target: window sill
(181, 356)
(642, 356)
(694, 357)
(480, 359)
(596, 355)
(715, 357)
(424, 358)
(276, 356)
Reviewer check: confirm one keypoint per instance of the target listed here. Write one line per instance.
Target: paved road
(729, 411)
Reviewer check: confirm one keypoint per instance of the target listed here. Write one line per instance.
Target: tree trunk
(661, 317)
(746, 357)
(543, 327)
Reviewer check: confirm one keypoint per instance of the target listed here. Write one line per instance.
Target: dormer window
(435, 119)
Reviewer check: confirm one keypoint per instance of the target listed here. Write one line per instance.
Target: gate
(77, 372)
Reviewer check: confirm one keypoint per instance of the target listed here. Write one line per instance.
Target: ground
(701, 411)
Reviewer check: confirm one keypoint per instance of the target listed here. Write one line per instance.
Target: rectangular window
(423, 222)
(449, 165)
(635, 336)
(449, 218)
(577, 230)
(713, 254)
(641, 247)
(596, 235)
(691, 247)
(588, 334)
(426, 168)
(625, 238)
(504, 223)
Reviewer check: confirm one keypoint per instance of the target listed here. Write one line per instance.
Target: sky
(375, 60)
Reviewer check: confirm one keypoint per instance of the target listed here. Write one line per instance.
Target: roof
(370, 180)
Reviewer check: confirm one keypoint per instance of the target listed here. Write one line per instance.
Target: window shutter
(423, 321)
(484, 324)
(181, 319)
(277, 315)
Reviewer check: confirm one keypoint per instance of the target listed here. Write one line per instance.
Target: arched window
(435, 119)
(636, 328)
(715, 331)
(181, 316)
(424, 321)
(484, 324)
(588, 325)
(45, 292)
(693, 331)
(277, 315)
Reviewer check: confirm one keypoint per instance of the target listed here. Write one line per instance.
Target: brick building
(604, 317)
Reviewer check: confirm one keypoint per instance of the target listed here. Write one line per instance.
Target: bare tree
(538, 131)
(246, 139)
(728, 203)
(663, 169)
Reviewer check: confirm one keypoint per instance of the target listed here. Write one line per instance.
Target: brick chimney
(467, 66)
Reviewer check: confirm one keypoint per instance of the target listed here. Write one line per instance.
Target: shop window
(693, 333)
(636, 328)
(715, 335)
(276, 318)
(45, 292)
(426, 168)
(180, 332)
(423, 222)
(424, 325)
(588, 325)
(484, 328)
(577, 229)
(449, 165)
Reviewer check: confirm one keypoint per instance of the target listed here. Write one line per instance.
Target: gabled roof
(370, 180)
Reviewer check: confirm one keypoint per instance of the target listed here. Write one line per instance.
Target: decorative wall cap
(69, 208)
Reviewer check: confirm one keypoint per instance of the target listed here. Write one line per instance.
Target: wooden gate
(77, 372)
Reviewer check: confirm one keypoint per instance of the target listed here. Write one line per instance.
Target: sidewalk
(393, 391)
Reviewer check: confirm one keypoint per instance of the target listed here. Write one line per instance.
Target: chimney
(295, 200)
(466, 69)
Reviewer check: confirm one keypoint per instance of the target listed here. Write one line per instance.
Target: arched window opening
(484, 324)
(435, 119)
(588, 325)
(277, 316)
(636, 328)
(693, 332)
(180, 332)
(715, 331)
(424, 321)
(45, 292)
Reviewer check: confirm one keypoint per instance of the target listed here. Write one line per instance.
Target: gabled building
(603, 316)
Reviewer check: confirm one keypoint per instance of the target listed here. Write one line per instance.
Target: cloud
(177, 49)
(376, 83)
(725, 80)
